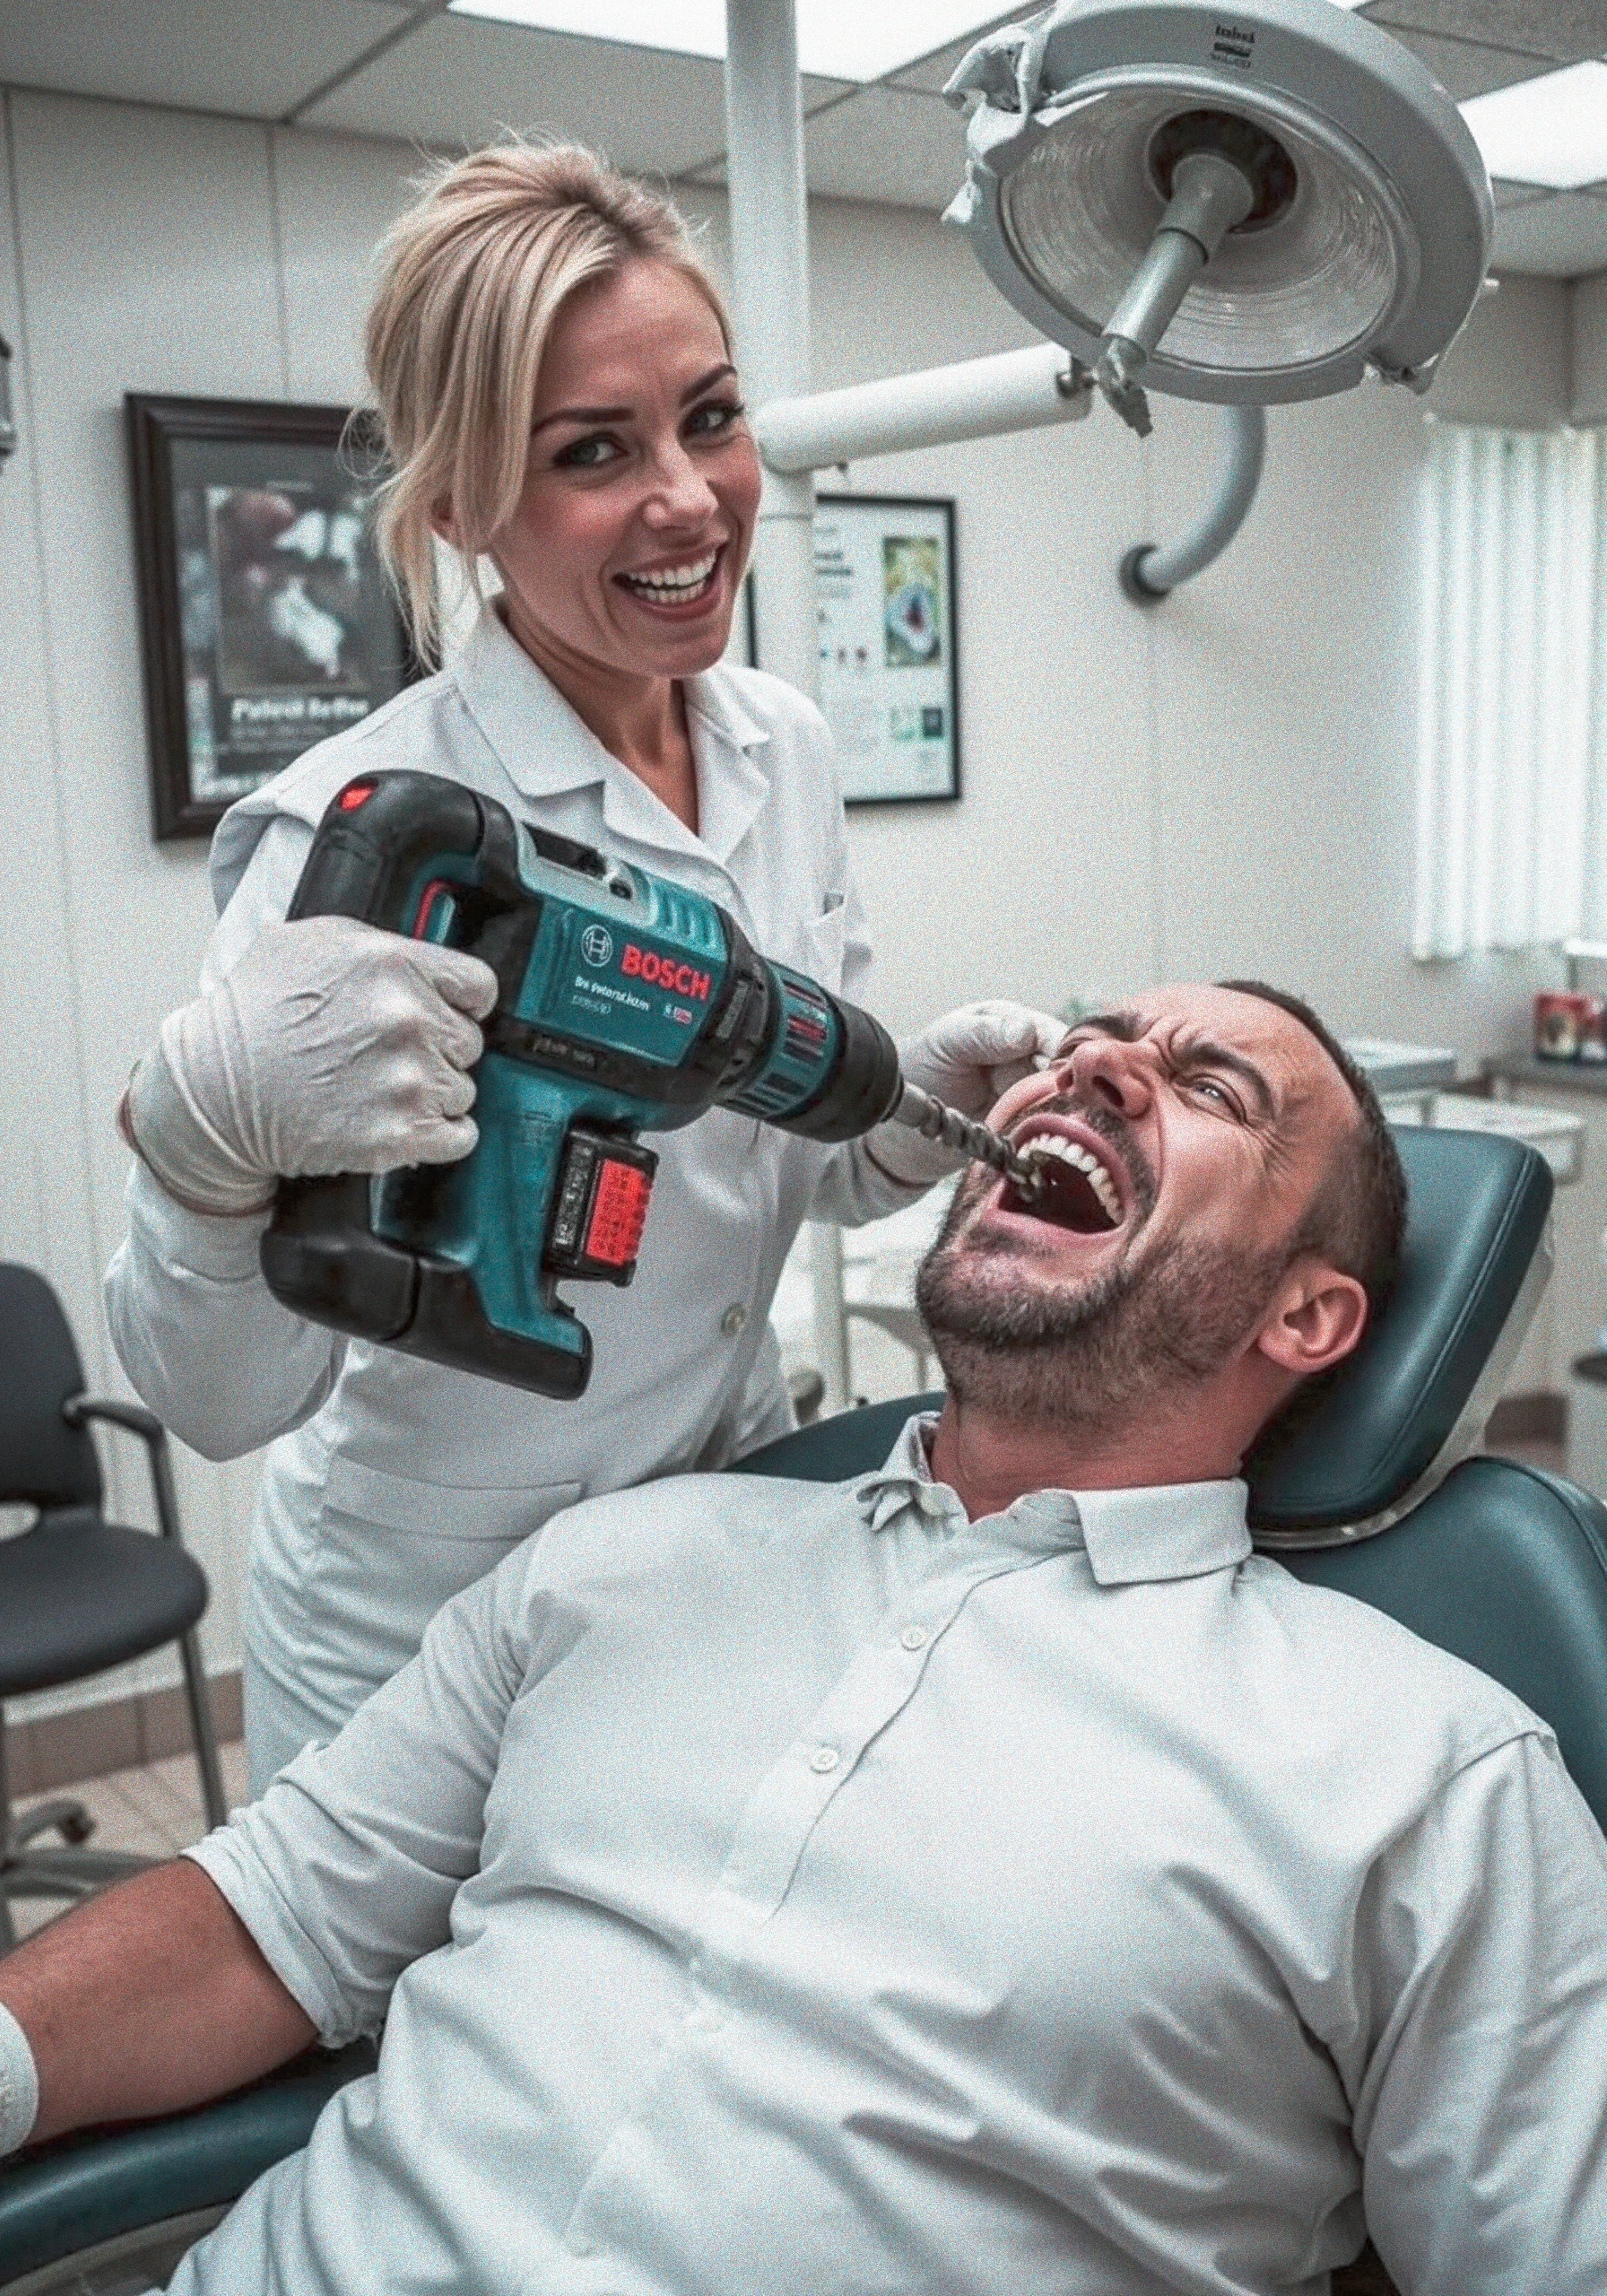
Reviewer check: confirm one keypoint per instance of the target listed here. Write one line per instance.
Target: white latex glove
(332, 1047)
(966, 1060)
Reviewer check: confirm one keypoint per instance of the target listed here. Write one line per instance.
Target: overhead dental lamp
(1246, 207)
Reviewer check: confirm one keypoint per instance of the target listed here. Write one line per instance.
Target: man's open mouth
(1079, 1188)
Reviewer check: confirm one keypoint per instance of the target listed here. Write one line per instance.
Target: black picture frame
(249, 656)
(882, 509)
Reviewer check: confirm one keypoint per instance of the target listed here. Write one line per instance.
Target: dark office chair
(1502, 1564)
(79, 1594)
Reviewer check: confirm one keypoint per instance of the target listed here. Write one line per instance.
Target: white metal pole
(770, 262)
(769, 253)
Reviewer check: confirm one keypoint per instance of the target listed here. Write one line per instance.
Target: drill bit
(934, 1121)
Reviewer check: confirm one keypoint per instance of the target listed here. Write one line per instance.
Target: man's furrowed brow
(1128, 1027)
(1206, 1052)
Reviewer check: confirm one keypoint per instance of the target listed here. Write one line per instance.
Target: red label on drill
(619, 1212)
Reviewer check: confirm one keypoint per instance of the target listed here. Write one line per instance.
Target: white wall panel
(146, 257)
(336, 194)
(1589, 308)
(1285, 700)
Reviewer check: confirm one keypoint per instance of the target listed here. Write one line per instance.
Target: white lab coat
(390, 1482)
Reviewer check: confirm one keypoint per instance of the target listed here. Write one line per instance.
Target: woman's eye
(586, 454)
(715, 415)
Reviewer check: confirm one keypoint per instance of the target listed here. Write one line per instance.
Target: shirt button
(824, 1759)
(914, 1638)
(734, 1319)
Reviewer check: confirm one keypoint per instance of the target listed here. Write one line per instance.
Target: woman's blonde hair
(474, 276)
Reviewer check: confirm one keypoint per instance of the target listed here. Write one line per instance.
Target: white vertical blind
(1512, 767)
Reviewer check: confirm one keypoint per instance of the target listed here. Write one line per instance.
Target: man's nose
(1105, 1069)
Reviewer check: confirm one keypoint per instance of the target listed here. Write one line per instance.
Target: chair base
(70, 1872)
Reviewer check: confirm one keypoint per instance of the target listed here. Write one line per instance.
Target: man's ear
(1316, 1319)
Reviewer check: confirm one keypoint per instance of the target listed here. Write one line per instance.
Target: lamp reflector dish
(1372, 224)
(1081, 209)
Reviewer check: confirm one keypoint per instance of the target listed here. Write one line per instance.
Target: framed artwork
(266, 620)
(889, 672)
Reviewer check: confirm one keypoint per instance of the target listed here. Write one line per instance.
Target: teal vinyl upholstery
(87, 2188)
(1478, 1210)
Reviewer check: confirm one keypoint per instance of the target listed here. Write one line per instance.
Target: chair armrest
(132, 1417)
(66, 2197)
(135, 1420)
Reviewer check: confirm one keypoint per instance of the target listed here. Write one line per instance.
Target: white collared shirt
(403, 1480)
(782, 1890)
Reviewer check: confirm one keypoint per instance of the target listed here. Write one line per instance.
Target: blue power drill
(626, 1004)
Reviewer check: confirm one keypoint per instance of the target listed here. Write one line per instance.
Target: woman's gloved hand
(332, 1047)
(966, 1060)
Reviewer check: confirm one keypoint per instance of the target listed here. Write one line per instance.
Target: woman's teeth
(1053, 1146)
(673, 585)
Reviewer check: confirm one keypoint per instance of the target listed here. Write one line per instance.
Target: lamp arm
(1149, 574)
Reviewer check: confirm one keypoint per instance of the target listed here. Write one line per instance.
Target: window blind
(1512, 806)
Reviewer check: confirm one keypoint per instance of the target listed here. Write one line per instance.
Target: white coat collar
(547, 750)
(1173, 1530)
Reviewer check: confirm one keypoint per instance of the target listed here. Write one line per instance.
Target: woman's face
(633, 529)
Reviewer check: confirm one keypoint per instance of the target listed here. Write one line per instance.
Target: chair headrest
(1414, 1398)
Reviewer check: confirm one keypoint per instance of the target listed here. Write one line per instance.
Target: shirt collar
(546, 749)
(1156, 1532)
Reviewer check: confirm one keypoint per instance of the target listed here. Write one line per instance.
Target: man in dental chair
(984, 1877)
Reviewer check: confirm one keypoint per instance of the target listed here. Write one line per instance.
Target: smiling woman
(555, 376)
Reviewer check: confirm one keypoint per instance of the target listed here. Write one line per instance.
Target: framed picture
(266, 620)
(889, 674)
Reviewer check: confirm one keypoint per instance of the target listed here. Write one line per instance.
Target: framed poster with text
(266, 615)
(889, 676)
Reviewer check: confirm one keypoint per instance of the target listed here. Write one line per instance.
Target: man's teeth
(674, 581)
(1068, 1152)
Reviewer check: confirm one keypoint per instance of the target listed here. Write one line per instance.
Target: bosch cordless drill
(626, 1004)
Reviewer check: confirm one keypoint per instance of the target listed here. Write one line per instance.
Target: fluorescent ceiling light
(838, 40)
(1551, 130)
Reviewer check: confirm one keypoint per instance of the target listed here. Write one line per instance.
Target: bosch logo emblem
(596, 945)
(665, 972)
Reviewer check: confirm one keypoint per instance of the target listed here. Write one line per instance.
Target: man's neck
(991, 1462)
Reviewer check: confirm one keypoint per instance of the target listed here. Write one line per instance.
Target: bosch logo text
(665, 973)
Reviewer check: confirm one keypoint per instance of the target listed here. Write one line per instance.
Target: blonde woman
(553, 371)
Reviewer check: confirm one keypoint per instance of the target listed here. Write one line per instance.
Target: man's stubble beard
(1085, 1353)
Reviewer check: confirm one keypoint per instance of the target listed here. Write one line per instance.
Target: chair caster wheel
(76, 1827)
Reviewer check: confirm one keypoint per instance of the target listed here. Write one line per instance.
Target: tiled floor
(151, 1813)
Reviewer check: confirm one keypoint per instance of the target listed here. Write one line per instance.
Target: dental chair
(1374, 1490)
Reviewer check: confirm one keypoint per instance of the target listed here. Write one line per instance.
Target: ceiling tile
(931, 73)
(223, 56)
(1562, 29)
(461, 80)
(1466, 68)
(1560, 236)
(887, 146)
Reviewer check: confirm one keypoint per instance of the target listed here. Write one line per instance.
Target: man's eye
(1219, 1093)
(713, 416)
(586, 454)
